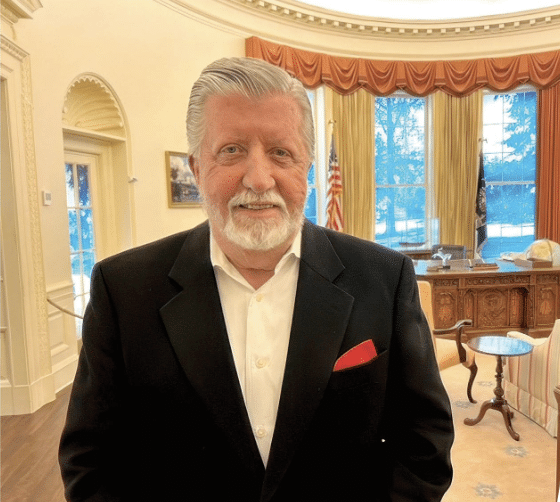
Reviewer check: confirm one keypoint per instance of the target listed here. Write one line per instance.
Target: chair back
(425, 291)
(530, 380)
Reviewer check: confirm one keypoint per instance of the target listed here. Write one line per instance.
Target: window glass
(73, 226)
(311, 203)
(509, 153)
(83, 184)
(81, 232)
(314, 193)
(69, 186)
(400, 171)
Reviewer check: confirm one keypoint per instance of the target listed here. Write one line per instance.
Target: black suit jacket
(157, 413)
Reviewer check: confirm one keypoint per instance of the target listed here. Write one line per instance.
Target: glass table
(499, 346)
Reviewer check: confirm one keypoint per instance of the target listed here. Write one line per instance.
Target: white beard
(256, 234)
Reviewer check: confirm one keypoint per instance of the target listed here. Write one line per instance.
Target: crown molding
(12, 48)
(14, 10)
(322, 20)
(291, 23)
(368, 27)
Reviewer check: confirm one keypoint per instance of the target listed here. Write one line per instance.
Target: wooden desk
(510, 298)
(416, 253)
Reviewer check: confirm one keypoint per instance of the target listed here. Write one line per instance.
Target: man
(256, 357)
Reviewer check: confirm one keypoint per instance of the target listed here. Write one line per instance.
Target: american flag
(334, 195)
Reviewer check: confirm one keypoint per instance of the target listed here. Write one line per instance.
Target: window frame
(488, 92)
(320, 161)
(76, 159)
(430, 222)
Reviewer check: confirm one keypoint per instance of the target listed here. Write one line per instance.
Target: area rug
(488, 463)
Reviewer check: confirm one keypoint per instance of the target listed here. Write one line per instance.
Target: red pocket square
(356, 356)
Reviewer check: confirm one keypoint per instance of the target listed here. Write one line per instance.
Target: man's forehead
(237, 98)
(237, 110)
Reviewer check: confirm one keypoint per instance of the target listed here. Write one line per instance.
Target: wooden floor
(30, 471)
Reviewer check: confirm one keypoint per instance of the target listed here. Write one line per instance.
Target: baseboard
(64, 373)
(24, 399)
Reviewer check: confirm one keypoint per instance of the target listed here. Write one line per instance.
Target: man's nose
(258, 176)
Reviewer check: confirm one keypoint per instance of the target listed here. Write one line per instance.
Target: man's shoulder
(159, 253)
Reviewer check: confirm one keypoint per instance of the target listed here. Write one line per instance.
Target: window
(400, 171)
(315, 204)
(311, 205)
(81, 229)
(509, 153)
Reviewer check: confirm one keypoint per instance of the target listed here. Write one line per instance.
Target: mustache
(249, 197)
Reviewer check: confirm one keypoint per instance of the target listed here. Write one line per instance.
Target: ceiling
(430, 9)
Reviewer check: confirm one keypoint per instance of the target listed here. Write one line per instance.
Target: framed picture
(181, 185)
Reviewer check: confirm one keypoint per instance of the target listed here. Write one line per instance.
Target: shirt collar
(220, 260)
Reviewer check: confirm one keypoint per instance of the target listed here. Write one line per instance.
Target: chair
(448, 352)
(530, 380)
(557, 396)
(457, 252)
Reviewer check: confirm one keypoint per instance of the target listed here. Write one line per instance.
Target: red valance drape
(457, 78)
(419, 78)
(548, 155)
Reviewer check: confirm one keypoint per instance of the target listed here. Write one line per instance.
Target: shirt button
(259, 297)
(261, 432)
(262, 363)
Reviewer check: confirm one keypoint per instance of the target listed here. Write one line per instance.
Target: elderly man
(256, 357)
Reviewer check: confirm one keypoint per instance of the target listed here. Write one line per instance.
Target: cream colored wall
(150, 57)
(150, 52)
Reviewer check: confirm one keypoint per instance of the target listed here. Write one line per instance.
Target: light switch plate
(47, 198)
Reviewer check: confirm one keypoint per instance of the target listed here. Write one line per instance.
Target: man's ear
(195, 167)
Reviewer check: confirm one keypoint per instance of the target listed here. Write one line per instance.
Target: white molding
(304, 27)
(12, 48)
(33, 219)
(361, 26)
(85, 134)
(90, 105)
(24, 399)
(29, 382)
(62, 330)
(14, 10)
(60, 286)
(65, 371)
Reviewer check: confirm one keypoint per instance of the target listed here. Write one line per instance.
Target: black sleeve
(89, 448)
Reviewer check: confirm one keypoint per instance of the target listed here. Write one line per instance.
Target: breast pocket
(353, 402)
(373, 373)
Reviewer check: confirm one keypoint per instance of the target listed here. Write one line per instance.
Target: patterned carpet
(488, 463)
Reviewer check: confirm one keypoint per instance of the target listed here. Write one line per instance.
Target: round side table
(499, 346)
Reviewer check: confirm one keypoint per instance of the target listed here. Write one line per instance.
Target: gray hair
(249, 77)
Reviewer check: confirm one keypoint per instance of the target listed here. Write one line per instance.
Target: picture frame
(181, 184)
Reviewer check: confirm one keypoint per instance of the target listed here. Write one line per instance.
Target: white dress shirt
(258, 324)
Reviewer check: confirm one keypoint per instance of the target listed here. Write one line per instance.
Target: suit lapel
(321, 314)
(197, 331)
